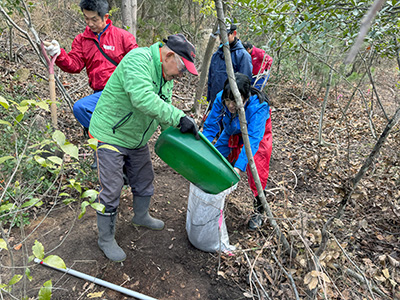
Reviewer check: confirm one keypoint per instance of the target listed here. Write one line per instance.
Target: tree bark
(204, 71)
(129, 15)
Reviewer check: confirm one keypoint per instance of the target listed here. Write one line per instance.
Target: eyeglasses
(230, 101)
(180, 64)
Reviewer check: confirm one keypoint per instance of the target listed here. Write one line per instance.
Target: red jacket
(257, 56)
(114, 41)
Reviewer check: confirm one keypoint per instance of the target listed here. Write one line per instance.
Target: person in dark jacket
(230, 142)
(113, 41)
(241, 61)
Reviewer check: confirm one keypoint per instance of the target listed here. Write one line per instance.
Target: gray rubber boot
(107, 243)
(142, 217)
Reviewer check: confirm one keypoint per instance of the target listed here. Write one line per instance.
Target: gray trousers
(111, 160)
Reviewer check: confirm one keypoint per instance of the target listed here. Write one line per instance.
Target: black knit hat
(181, 46)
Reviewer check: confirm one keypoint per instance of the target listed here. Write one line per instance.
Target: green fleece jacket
(135, 101)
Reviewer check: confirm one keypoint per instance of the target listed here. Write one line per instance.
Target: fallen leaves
(312, 278)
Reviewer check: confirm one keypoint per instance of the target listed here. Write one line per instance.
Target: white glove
(53, 49)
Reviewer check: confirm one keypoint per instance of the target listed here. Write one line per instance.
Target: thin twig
(296, 294)
(352, 262)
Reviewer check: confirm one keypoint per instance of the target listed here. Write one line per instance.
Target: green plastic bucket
(196, 160)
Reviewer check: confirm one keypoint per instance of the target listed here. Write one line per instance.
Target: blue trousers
(259, 82)
(84, 108)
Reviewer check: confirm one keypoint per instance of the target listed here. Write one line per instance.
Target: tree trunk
(134, 17)
(129, 18)
(204, 72)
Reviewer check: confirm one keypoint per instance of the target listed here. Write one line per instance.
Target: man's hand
(53, 49)
(237, 170)
(187, 124)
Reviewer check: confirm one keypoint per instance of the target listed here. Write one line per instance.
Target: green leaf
(40, 160)
(19, 117)
(43, 105)
(6, 207)
(28, 274)
(15, 279)
(23, 109)
(27, 102)
(33, 201)
(55, 261)
(90, 193)
(70, 149)
(68, 201)
(3, 244)
(109, 147)
(59, 137)
(98, 206)
(4, 103)
(64, 194)
(75, 185)
(5, 123)
(4, 158)
(93, 143)
(45, 291)
(38, 250)
(83, 209)
(55, 159)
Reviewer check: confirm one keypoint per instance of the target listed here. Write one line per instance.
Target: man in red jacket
(261, 63)
(99, 48)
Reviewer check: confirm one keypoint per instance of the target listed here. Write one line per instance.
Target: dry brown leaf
(17, 247)
(307, 278)
(313, 284)
(393, 262)
(386, 273)
(247, 295)
(325, 277)
(380, 278)
(95, 295)
(220, 273)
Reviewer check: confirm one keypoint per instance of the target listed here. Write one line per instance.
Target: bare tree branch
(365, 25)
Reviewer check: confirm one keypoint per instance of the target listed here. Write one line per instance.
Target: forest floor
(305, 186)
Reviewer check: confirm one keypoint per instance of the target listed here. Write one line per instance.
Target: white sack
(205, 222)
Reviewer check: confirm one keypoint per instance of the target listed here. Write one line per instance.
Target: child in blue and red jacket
(230, 142)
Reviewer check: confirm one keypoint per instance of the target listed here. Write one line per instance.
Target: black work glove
(187, 124)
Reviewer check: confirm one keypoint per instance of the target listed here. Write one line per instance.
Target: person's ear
(106, 16)
(170, 54)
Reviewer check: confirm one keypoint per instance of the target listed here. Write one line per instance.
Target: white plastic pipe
(98, 281)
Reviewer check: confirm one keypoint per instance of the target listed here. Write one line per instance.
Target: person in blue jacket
(241, 61)
(230, 142)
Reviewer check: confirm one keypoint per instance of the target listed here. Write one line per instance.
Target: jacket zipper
(121, 122)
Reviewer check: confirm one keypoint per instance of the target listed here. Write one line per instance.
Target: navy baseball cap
(230, 28)
(181, 46)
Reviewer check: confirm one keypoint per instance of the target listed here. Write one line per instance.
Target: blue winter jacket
(257, 115)
(241, 61)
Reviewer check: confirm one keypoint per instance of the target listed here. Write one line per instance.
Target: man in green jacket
(136, 99)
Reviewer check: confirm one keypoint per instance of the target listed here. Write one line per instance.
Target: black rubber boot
(106, 242)
(142, 218)
(256, 220)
